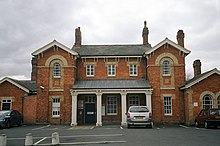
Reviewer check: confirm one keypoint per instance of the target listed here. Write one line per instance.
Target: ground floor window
(219, 101)
(168, 105)
(112, 105)
(6, 104)
(133, 100)
(56, 107)
(207, 101)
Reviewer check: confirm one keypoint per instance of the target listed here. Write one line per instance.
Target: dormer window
(56, 70)
(133, 69)
(166, 67)
(111, 70)
(90, 70)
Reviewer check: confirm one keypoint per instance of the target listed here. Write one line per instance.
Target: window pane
(57, 70)
(167, 105)
(207, 102)
(133, 69)
(90, 70)
(56, 107)
(112, 105)
(166, 67)
(134, 100)
(6, 104)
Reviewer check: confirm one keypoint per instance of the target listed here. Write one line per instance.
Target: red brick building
(95, 84)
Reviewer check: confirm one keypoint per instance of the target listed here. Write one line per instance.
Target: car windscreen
(139, 109)
(4, 113)
(215, 112)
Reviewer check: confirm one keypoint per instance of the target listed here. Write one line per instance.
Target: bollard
(3, 140)
(29, 140)
(55, 138)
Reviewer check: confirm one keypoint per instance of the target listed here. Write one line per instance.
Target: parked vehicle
(139, 116)
(10, 118)
(208, 117)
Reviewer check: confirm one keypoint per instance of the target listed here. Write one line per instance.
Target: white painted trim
(166, 40)
(51, 44)
(201, 78)
(111, 57)
(14, 83)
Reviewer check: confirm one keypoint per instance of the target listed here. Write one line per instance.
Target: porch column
(123, 108)
(74, 109)
(99, 109)
(148, 101)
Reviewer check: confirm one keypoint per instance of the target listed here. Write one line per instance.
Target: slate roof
(199, 78)
(26, 85)
(30, 85)
(112, 84)
(112, 50)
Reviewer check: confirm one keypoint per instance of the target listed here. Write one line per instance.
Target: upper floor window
(56, 70)
(90, 70)
(166, 67)
(6, 104)
(207, 101)
(133, 69)
(111, 70)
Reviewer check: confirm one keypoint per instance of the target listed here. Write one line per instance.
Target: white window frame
(168, 106)
(166, 68)
(90, 70)
(204, 101)
(6, 100)
(133, 100)
(56, 70)
(112, 105)
(55, 107)
(133, 69)
(111, 70)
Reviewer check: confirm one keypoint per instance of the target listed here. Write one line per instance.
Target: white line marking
(121, 127)
(103, 135)
(89, 142)
(92, 127)
(183, 126)
(40, 141)
(41, 127)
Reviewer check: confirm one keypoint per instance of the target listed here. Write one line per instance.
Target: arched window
(219, 101)
(166, 67)
(207, 101)
(56, 70)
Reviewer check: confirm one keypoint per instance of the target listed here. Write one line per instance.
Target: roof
(112, 50)
(26, 85)
(168, 41)
(199, 78)
(51, 44)
(112, 84)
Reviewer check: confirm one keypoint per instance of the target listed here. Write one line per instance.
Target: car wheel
(8, 124)
(197, 124)
(206, 125)
(20, 123)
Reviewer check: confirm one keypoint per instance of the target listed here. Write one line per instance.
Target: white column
(74, 109)
(123, 108)
(148, 101)
(99, 109)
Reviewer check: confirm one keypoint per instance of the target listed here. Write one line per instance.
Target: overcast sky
(27, 25)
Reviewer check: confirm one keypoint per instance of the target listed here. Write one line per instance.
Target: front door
(90, 113)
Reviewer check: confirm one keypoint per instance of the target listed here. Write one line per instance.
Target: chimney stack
(145, 33)
(34, 69)
(180, 38)
(197, 67)
(78, 37)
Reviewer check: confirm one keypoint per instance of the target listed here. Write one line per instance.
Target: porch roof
(112, 84)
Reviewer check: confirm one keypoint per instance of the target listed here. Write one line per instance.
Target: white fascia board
(51, 44)
(14, 83)
(111, 57)
(166, 40)
(200, 79)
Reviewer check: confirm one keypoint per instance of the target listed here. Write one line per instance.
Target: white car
(139, 116)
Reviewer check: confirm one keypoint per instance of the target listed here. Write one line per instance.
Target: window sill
(166, 75)
(54, 117)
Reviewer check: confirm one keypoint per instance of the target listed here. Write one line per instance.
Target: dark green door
(90, 113)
